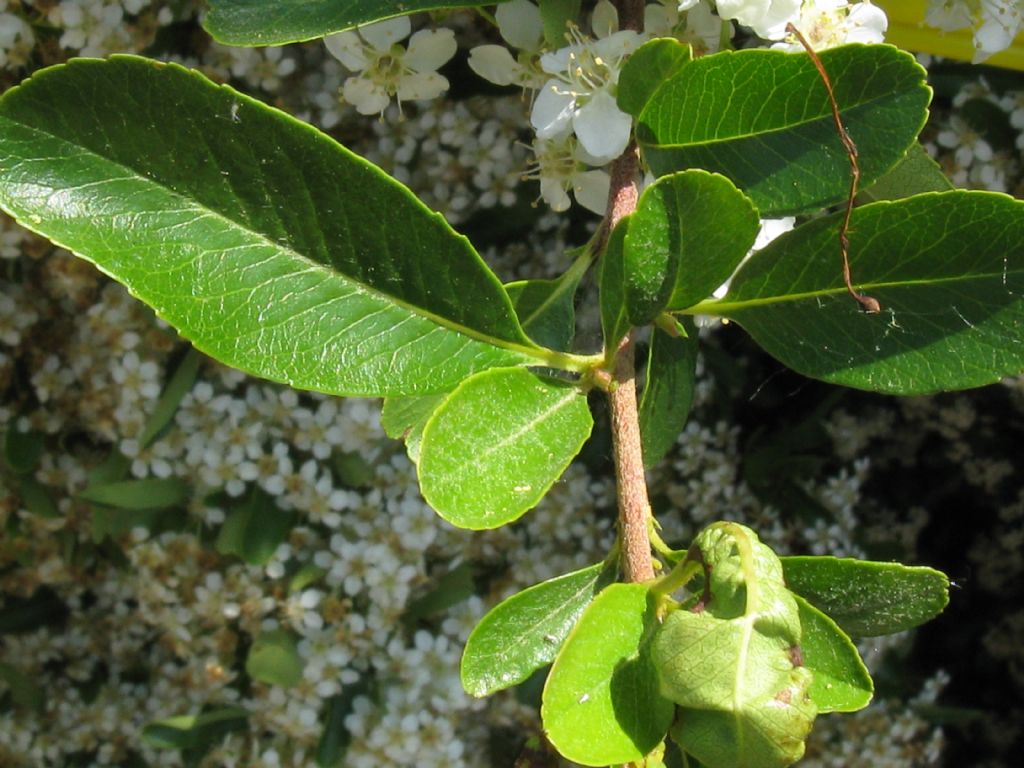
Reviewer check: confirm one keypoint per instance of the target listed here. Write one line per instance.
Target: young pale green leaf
(271, 247)
(278, 22)
(763, 119)
(274, 659)
(915, 174)
(865, 598)
(545, 309)
(614, 318)
(178, 386)
(194, 731)
(255, 529)
(732, 666)
(668, 390)
(522, 634)
(404, 418)
(689, 233)
(948, 269)
(149, 493)
(840, 682)
(497, 443)
(601, 704)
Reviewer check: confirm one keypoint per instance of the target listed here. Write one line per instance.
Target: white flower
(562, 166)
(385, 68)
(828, 23)
(520, 25)
(581, 96)
(16, 40)
(765, 17)
(995, 22)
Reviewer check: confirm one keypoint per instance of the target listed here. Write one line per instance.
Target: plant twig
(630, 481)
(868, 303)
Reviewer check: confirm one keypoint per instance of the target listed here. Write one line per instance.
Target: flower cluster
(994, 22)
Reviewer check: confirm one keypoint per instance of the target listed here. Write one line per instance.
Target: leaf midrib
(537, 352)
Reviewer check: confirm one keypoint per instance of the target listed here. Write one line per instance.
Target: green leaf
(271, 247)
(648, 67)
(841, 682)
(601, 703)
(763, 119)
(525, 632)
(179, 385)
(948, 269)
(36, 498)
(545, 309)
(404, 418)
(915, 174)
(194, 731)
(25, 691)
(43, 609)
(149, 493)
(555, 16)
(277, 22)
(22, 450)
(494, 447)
(689, 233)
(451, 589)
(612, 286)
(255, 529)
(731, 666)
(865, 598)
(668, 391)
(274, 659)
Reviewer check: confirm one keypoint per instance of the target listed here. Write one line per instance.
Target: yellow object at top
(907, 30)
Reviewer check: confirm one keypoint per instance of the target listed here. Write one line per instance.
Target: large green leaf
(651, 64)
(276, 22)
(689, 233)
(915, 174)
(866, 598)
(763, 119)
(494, 447)
(545, 309)
(613, 299)
(732, 666)
(668, 390)
(404, 418)
(270, 246)
(948, 269)
(522, 634)
(841, 682)
(601, 703)
(148, 493)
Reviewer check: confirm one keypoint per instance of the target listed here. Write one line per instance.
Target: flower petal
(421, 85)
(590, 188)
(520, 24)
(383, 34)
(430, 49)
(493, 63)
(347, 48)
(601, 127)
(552, 110)
(366, 96)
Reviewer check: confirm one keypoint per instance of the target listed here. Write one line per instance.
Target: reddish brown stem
(630, 482)
(868, 303)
